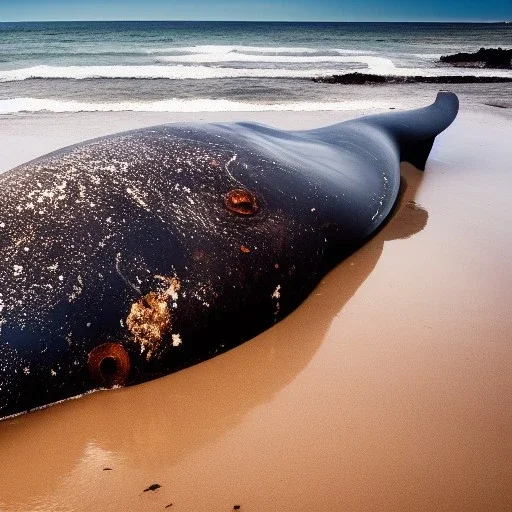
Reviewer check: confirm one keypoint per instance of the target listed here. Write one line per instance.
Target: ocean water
(212, 66)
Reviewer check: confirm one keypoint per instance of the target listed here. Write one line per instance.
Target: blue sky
(298, 10)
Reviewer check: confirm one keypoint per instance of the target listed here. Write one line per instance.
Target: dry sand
(390, 388)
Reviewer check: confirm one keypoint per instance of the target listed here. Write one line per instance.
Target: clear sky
(285, 10)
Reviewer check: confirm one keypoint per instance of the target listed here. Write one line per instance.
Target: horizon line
(506, 22)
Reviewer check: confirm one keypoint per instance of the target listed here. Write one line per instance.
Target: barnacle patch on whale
(149, 319)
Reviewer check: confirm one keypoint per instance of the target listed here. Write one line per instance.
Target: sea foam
(178, 72)
(374, 65)
(17, 105)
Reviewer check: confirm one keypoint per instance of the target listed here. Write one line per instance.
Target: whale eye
(109, 365)
(241, 201)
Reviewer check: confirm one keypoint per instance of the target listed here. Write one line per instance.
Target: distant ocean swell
(234, 50)
(215, 52)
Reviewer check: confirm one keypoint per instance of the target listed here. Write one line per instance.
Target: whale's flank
(138, 254)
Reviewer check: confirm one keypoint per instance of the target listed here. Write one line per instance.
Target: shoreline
(194, 97)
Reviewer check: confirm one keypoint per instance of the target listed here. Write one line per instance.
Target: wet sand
(389, 389)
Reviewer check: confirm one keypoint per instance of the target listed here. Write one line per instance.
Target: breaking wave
(194, 67)
(179, 72)
(17, 105)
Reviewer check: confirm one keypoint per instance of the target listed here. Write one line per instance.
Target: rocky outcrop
(369, 79)
(496, 58)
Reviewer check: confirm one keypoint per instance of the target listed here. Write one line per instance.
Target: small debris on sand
(152, 487)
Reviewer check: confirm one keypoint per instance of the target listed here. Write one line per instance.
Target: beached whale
(132, 256)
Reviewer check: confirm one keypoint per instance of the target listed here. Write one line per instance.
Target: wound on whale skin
(135, 255)
(109, 365)
(242, 202)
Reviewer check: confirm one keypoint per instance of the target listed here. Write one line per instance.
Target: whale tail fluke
(416, 130)
(412, 131)
(437, 117)
(417, 153)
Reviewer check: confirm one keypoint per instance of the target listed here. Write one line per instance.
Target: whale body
(132, 256)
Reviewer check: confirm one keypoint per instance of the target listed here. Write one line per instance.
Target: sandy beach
(388, 389)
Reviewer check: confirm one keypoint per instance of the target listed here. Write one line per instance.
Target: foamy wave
(435, 56)
(252, 50)
(148, 72)
(375, 65)
(17, 105)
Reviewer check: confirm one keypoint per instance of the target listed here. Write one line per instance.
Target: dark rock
(496, 105)
(496, 58)
(352, 79)
(369, 79)
(152, 487)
